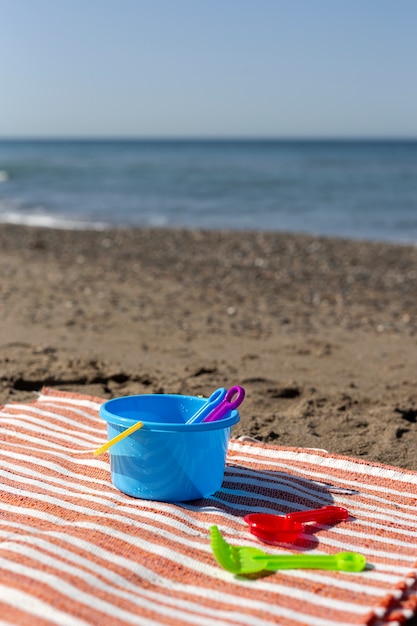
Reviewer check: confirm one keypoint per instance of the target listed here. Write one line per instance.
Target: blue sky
(208, 68)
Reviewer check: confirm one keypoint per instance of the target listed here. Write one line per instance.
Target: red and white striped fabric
(76, 551)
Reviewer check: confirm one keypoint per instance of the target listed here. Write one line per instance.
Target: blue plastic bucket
(167, 459)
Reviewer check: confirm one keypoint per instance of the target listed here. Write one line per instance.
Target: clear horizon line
(211, 138)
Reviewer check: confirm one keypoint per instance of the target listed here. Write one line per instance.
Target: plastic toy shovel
(248, 560)
(287, 528)
(208, 407)
(232, 400)
(218, 405)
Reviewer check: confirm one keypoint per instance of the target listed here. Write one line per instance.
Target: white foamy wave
(4, 176)
(48, 221)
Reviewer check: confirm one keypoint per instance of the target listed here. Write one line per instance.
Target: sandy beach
(320, 332)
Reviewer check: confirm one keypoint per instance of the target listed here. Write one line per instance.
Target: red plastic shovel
(287, 528)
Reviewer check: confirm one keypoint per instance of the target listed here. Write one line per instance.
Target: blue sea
(355, 189)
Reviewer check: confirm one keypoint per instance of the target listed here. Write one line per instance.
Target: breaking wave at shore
(349, 189)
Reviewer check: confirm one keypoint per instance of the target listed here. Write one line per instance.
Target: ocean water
(354, 189)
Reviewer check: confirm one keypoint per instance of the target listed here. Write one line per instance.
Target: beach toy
(248, 560)
(118, 438)
(287, 528)
(167, 459)
(212, 402)
(232, 400)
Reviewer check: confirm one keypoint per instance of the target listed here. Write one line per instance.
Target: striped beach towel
(76, 551)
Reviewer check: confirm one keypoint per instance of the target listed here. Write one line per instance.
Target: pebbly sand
(322, 333)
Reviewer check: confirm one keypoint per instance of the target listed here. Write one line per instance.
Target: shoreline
(49, 223)
(321, 332)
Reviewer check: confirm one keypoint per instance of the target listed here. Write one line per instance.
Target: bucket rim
(110, 417)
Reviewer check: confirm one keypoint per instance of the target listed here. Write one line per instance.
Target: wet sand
(321, 332)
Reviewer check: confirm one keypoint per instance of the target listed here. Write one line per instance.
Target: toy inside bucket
(167, 459)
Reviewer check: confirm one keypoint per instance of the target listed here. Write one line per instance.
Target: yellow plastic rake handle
(118, 438)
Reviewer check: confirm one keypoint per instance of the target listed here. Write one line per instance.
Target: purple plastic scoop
(232, 400)
(207, 408)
